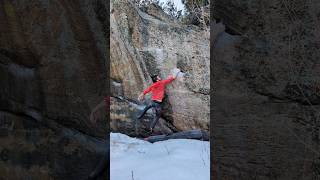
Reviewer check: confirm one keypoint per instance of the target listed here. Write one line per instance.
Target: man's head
(155, 78)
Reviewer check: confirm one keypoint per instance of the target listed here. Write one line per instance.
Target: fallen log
(192, 134)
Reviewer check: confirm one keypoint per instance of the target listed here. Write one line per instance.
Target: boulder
(191, 134)
(145, 44)
(124, 113)
(53, 80)
(266, 100)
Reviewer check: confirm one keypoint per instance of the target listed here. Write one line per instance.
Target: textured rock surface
(52, 75)
(143, 45)
(266, 100)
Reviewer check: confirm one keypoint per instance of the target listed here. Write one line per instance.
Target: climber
(157, 89)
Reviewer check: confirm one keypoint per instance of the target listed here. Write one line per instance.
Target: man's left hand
(141, 97)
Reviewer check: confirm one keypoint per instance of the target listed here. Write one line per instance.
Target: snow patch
(178, 159)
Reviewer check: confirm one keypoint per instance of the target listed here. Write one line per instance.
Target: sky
(178, 4)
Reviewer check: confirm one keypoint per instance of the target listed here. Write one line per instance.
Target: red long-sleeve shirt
(158, 89)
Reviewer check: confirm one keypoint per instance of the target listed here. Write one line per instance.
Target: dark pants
(157, 107)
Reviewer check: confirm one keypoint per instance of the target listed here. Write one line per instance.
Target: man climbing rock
(157, 89)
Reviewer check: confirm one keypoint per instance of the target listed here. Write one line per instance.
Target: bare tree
(198, 12)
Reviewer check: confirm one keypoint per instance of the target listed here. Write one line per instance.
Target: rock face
(267, 96)
(52, 77)
(146, 44)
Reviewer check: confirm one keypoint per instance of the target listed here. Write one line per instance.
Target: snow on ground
(175, 159)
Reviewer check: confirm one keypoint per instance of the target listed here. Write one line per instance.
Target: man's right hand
(176, 74)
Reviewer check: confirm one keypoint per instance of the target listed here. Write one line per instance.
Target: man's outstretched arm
(146, 91)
